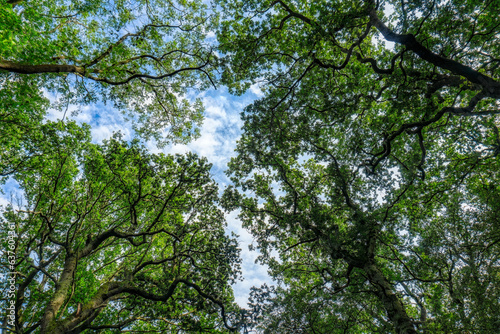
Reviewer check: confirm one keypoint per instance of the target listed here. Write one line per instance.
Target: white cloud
(214, 109)
(255, 89)
(105, 131)
(11, 194)
(211, 34)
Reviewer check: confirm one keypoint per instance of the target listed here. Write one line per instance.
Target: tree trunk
(392, 304)
(57, 300)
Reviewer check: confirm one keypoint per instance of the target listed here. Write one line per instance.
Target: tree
(367, 173)
(328, 59)
(110, 237)
(142, 55)
(113, 238)
(430, 254)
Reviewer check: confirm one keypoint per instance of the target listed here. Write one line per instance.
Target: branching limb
(490, 85)
(415, 126)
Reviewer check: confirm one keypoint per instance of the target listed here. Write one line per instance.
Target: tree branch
(43, 68)
(491, 86)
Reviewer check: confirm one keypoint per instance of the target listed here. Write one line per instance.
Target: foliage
(328, 61)
(113, 238)
(141, 55)
(22, 111)
(367, 173)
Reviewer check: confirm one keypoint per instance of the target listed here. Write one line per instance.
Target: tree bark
(57, 300)
(85, 314)
(392, 304)
(43, 68)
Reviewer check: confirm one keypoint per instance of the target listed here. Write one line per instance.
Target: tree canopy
(142, 56)
(368, 173)
(110, 237)
(113, 238)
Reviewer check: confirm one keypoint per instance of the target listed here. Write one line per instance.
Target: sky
(219, 134)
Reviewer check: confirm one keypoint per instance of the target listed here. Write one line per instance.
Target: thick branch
(294, 13)
(123, 38)
(491, 86)
(374, 65)
(81, 320)
(148, 76)
(43, 68)
(114, 233)
(170, 291)
(414, 127)
(60, 294)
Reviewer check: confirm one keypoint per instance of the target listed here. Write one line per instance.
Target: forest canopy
(367, 173)
(114, 238)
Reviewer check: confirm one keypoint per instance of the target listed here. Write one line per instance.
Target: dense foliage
(141, 56)
(113, 238)
(368, 173)
(109, 238)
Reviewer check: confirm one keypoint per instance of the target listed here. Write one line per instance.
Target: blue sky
(219, 133)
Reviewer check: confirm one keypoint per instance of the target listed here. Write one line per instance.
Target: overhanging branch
(490, 85)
